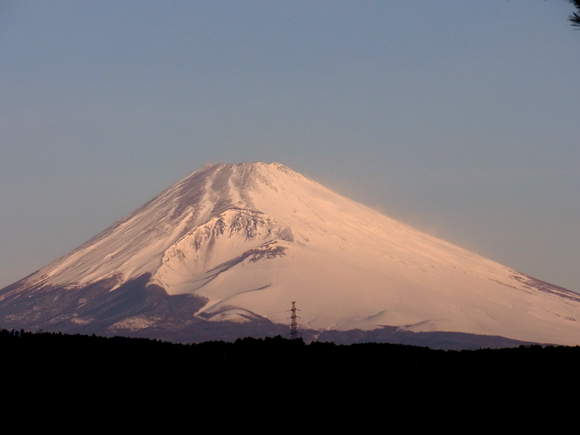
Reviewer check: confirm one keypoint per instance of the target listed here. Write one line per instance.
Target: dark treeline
(46, 355)
(60, 370)
(146, 381)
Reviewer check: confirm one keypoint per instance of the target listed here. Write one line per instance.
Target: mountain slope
(237, 243)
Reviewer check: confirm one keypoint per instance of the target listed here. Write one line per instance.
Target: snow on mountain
(244, 240)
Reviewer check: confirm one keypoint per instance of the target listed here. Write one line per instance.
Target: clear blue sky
(459, 117)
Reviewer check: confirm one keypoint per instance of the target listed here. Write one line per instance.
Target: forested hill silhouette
(59, 360)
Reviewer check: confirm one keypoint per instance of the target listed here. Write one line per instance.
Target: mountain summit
(222, 253)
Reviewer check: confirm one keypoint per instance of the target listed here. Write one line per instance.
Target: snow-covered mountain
(224, 251)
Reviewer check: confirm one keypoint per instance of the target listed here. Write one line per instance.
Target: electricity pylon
(293, 324)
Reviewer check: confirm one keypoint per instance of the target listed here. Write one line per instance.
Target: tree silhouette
(575, 17)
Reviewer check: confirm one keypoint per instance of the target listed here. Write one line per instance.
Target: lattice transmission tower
(293, 324)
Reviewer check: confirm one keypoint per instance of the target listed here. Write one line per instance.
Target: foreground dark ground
(149, 382)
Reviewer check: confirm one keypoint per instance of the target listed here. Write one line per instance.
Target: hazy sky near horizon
(457, 117)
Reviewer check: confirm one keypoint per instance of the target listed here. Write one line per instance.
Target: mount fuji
(222, 253)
